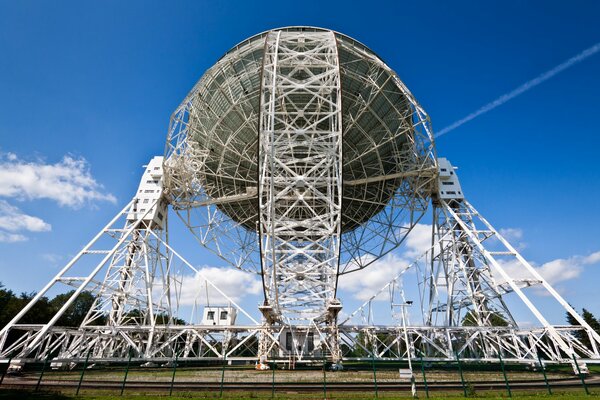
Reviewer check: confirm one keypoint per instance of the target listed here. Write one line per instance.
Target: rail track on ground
(28, 382)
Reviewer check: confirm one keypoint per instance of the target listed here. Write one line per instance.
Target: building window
(146, 200)
(223, 314)
(448, 183)
(210, 316)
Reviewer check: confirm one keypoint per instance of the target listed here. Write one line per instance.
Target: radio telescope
(303, 137)
(300, 156)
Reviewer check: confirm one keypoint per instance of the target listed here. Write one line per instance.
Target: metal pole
(424, 378)
(174, 370)
(126, 371)
(581, 376)
(222, 378)
(462, 378)
(544, 373)
(504, 373)
(273, 380)
(374, 373)
(37, 387)
(85, 363)
(6, 370)
(413, 387)
(324, 375)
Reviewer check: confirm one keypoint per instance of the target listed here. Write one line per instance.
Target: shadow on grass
(14, 394)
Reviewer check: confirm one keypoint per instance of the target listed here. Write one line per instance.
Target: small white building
(219, 315)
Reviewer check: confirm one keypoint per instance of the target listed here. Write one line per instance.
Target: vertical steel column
(300, 159)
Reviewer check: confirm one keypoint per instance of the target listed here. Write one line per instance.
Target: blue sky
(97, 81)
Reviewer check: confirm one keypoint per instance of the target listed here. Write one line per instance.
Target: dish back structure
(299, 157)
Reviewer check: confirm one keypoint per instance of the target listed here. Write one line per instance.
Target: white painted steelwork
(299, 157)
(337, 174)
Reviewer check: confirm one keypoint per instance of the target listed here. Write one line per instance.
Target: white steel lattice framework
(300, 180)
(338, 173)
(299, 157)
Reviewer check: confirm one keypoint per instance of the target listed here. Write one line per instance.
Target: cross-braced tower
(303, 137)
(299, 157)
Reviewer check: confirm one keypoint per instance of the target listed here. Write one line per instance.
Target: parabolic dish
(377, 125)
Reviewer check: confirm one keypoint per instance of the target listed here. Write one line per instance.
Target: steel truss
(129, 270)
(339, 171)
(464, 280)
(385, 166)
(300, 163)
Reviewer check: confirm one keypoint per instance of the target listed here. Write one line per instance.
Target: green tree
(74, 315)
(591, 320)
(43, 310)
(495, 319)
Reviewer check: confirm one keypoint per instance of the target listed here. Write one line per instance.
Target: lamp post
(413, 387)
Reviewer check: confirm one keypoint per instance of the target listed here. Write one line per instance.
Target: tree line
(45, 308)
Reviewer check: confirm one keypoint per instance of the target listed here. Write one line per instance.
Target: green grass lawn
(27, 395)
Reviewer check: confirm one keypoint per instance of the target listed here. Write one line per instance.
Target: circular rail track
(28, 382)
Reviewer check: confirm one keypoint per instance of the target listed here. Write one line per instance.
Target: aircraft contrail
(523, 88)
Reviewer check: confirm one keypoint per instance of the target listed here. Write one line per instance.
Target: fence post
(462, 378)
(581, 376)
(174, 370)
(6, 370)
(504, 373)
(424, 378)
(324, 376)
(544, 373)
(222, 378)
(37, 387)
(85, 363)
(126, 370)
(273, 380)
(374, 374)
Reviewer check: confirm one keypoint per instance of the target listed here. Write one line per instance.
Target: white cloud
(52, 258)
(418, 241)
(366, 282)
(554, 271)
(514, 236)
(234, 283)
(68, 182)
(11, 237)
(511, 234)
(13, 221)
(593, 258)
